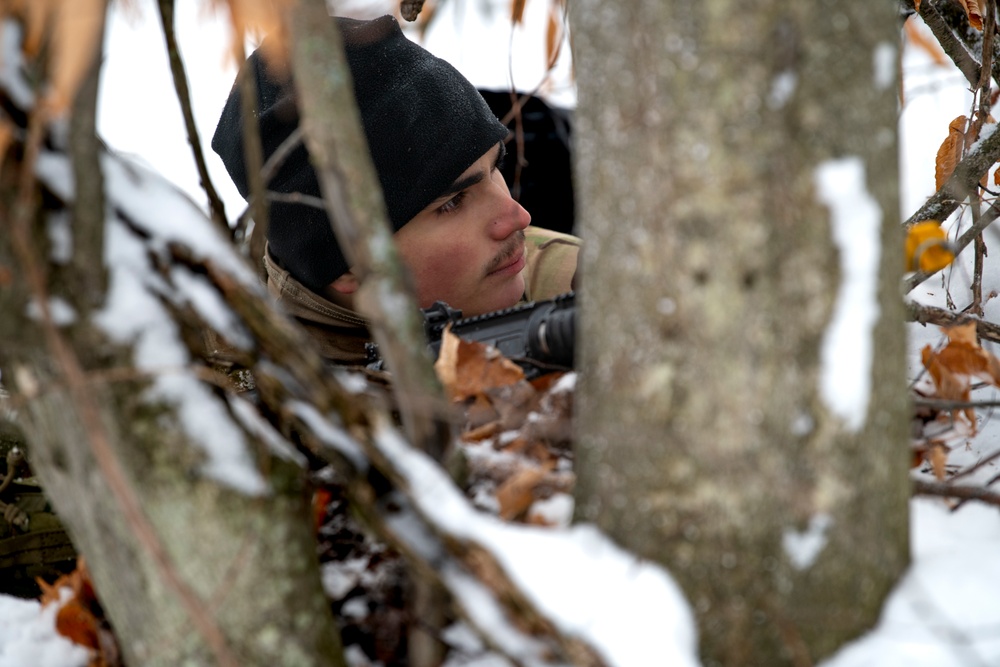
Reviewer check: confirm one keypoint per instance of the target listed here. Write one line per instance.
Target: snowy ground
(944, 612)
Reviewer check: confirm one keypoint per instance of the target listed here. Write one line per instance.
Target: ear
(345, 284)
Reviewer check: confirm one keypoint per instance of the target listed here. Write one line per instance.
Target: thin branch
(356, 210)
(215, 205)
(978, 465)
(966, 176)
(254, 160)
(954, 47)
(945, 490)
(88, 206)
(986, 218)
(944, 404)
(922, 314)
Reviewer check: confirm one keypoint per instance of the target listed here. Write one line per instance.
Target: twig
(976, 466)
(215, 205)
(88, 205)
(943, 404)
(922, 314)
(253, 153)
(986, 219)
(280, 154)
(945, 490)
(952, 45)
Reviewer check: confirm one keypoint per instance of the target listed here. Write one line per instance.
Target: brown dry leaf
(950, 151)
(949, 386)
(964, 355)
(446, 365)
(468, 368)
(930, 46)
(926, 247)
(6, 136)
(72, 29)
(514, 402)
(78, 26)
(78, 624)
(517, 11)
(263, 17)
(974, 13)
(480, 412)
(938, 459)
(517, 492)
(962, 359)
(481, 432)
(410, 9)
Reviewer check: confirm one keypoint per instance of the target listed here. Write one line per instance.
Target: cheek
(439, 271)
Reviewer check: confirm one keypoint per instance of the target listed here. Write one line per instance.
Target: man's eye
(452, 204)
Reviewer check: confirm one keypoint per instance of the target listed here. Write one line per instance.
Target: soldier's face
(467, 247)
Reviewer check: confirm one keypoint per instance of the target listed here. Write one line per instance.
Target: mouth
(509, 261)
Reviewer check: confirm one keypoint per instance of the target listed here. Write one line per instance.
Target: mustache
(510, 248)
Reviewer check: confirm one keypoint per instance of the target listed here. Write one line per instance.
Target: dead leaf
(263, 17)
(517, 11)
(481, 432)
(954, 366)
(939, 459)
(6, 137)
(950, 151)
(78, 624)
(973, 11)
(72, 31)
(467, 368)
(517, 493)
(927, 247)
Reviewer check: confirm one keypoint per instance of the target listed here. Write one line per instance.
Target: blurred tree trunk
(190, 570)
(708, 437)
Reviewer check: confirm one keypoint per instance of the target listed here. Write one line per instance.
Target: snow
(631, 611)
(332, 435)
(28, 635)
(803, 548)
(884, 61)
(944, 611)
(782, 88)
(61, 312)
(846, 354)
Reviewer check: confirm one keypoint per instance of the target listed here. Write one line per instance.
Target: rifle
(539, 335)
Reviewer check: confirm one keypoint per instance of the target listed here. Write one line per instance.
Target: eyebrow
(472, 179)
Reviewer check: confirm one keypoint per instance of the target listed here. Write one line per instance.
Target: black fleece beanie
(425, 125)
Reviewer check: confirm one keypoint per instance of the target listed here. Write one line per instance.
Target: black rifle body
(538, 335)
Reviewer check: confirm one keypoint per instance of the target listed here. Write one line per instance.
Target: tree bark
(705, 437)
(190, 570)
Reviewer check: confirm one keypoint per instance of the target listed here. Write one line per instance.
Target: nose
(510, 217)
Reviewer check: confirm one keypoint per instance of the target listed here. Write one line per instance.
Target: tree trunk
(196, 532)
(725, 427)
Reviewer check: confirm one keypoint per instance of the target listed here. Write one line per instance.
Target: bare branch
(357, 212)
(933, 315)
(216, 207)
(986, 218)
(954, 47)
(945, 490)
